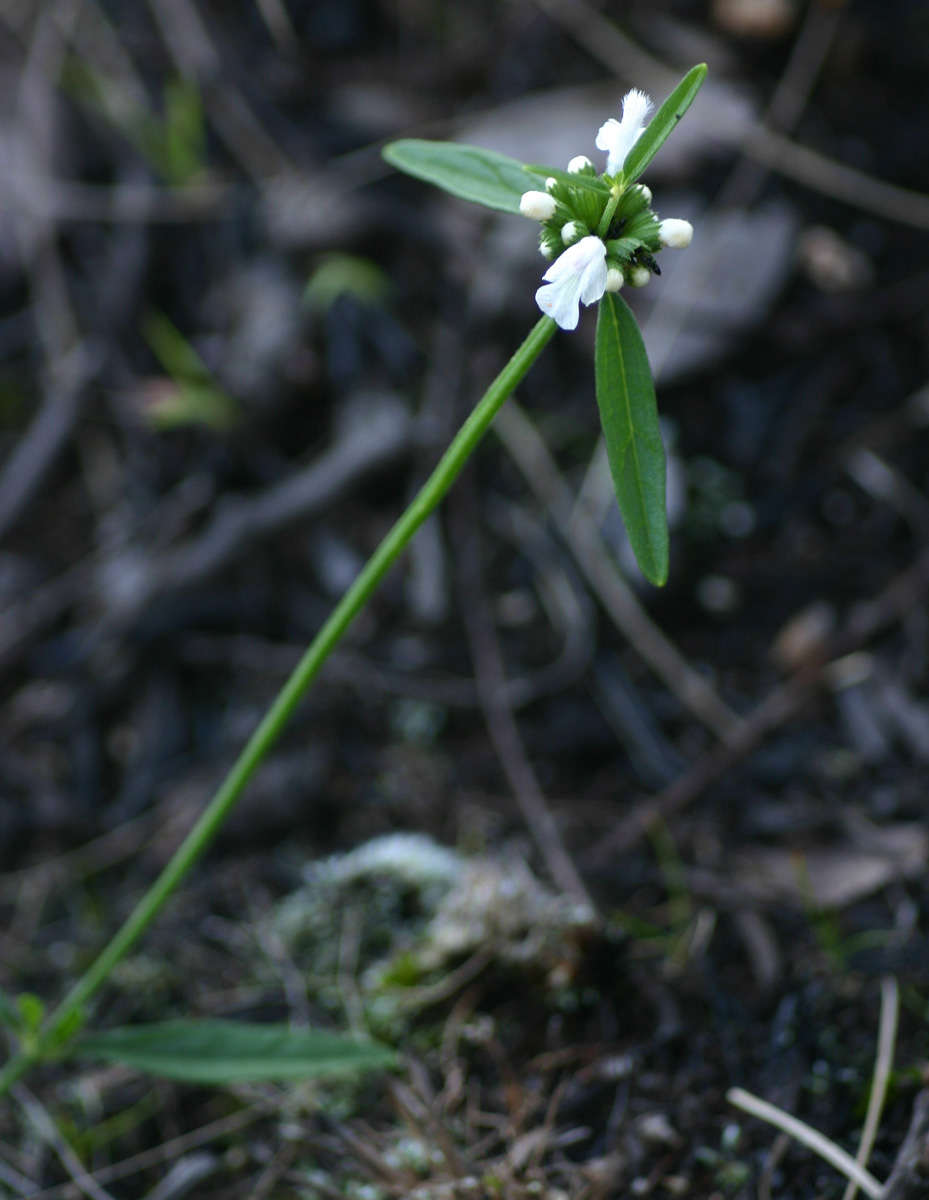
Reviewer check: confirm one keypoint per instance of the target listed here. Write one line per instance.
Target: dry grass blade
(826, 1149)
(501, 723)
(886, 1038)
(837, 180)
(908, 1179)
(49, 1132)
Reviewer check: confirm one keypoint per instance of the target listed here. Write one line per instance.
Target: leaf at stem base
(225, 1052)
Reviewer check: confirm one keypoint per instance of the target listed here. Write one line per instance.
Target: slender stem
(290, 695)
(610, 210)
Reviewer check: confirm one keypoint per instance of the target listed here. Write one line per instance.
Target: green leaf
(629, 415)
(31, 1012)
(345, 275)
(587, 183)
(65, 1031)
(222, 1052)
(195, 398)
(482, 176)
(660, 126)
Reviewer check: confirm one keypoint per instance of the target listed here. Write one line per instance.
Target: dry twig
(909, 1180)
(883, 1063)
(528, 450)
(501, 724)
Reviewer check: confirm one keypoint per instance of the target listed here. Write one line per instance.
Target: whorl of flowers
(599, 232)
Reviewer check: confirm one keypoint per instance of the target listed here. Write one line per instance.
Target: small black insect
(617, 226)
(642, 258)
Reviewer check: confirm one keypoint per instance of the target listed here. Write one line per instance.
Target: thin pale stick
(528, 450)
(498, 714)
(47, 1129)
(886, 1039)
(812, 1138)
(168, 1151)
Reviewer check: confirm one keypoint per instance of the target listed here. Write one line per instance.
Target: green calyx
(594, 205)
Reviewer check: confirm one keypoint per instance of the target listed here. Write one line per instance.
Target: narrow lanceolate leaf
(482, 176)
(662, 123)
(629, 415)
(223, 1052)
(585, 183)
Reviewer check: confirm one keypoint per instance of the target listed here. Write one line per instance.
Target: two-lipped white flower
(578, 276)
(585, 265)
(618, 137)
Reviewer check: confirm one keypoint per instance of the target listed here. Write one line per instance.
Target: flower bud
(645, 192)
(572, 232)
(550, 243)
(551, 183)
(580, 165)
(639, 276)
(614, 279)
(539, 206)
(675, 233)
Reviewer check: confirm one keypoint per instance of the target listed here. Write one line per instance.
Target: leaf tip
(698, 74)
(387, 152)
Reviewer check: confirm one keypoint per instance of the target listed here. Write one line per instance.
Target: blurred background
(233, 343)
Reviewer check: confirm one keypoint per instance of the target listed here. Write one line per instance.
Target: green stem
(290, 695)
(610, 210)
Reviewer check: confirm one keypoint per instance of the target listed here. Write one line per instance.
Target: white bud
(614, 279)
(645, 192)
(675, 233)
(579, 163)
(572, 232)
(546, 251)
(550, 183)
(539, 206)
(639, 276)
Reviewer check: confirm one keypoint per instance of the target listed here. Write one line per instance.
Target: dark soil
(754, 884)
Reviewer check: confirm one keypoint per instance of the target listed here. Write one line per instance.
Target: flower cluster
(600, 232)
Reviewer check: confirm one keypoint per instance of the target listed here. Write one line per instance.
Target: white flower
(579, 163)
(614, 279)
(571, 232)
(618, 137)
(675, 233)
(576, 277)
(540, 206)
